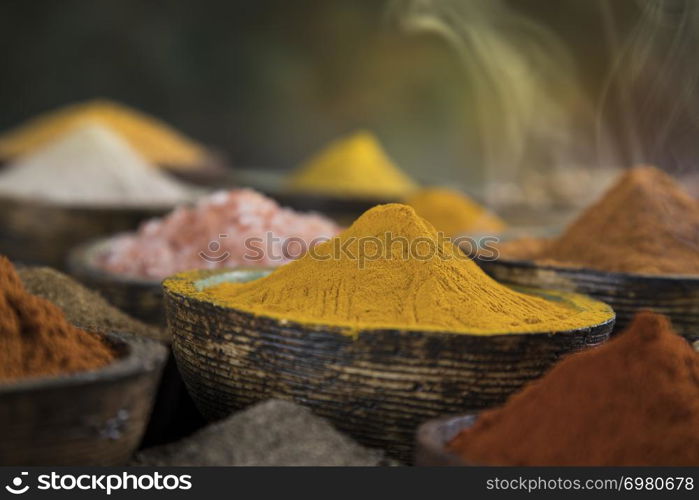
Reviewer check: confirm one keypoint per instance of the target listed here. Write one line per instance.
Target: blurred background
(458, 91)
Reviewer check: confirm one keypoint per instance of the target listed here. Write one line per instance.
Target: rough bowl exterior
(42, 234)
(90, 418)
(138, 297)
(674, 296)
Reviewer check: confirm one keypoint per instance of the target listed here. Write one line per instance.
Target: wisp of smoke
(526, 96)
(651, 101)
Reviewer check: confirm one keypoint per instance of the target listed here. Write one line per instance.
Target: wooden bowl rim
(153, 209)
(612, 275)
(139, 355)
(81, 259)
(47, 205)
(339, 330)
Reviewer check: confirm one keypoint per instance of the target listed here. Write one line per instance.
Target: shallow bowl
(89, 418)
(36, 233)
(140, 298)
(674, 296)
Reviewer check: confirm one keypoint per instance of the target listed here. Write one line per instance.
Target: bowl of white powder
(85, 184)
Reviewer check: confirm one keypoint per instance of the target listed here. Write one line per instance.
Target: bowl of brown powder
(376, 346)
(630, 402)
(636, 248)
(69, 396)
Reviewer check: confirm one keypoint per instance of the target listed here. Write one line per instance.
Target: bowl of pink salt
(377, 339)
(69, 396)
(636, 248)
(227, 229)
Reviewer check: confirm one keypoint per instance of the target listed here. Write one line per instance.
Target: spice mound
(632, 401)
(454, 213)
(153, 139)
(35, 337)
(391, 270)
(355, 166)
(90, 166)
(226, 229)
(272, 433)
(644, 224)
(81, 306)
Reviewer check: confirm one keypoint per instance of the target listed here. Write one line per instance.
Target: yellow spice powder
(454, 213)
(381, 283)
(354, 166)
(153, 139)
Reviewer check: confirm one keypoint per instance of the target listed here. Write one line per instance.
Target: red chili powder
(36, 339)
(632, 401)
(644, 224)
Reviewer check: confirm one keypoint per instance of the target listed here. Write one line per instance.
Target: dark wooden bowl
(212, 172)
(433, 436)
(675, 296)
(35, 233)
(140, 298)
(377, 387)
(89, 418)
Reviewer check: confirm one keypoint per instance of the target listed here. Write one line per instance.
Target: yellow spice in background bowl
(153, 139)
(454, 213)
(359, 281)
(352, 167)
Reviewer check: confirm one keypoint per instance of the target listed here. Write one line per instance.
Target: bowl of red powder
(633, 401)
(69, 396)
(228, 229)
(636, 248)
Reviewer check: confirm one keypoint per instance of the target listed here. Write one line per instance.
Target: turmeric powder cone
(391, 269)
(352, 167)
(453, 212)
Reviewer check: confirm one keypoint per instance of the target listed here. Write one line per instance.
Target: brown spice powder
(644, 224)
(82, 306)
(36, 339)
(633, 401)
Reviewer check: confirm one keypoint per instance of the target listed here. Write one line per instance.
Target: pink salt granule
(226, 229)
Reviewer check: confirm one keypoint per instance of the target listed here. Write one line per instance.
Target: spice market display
(410, 233)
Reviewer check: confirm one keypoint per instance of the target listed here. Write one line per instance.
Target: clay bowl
(212, 172)
(36, 233)
(675, 296)
(140, 298)
(89, 418)
(378, 387)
